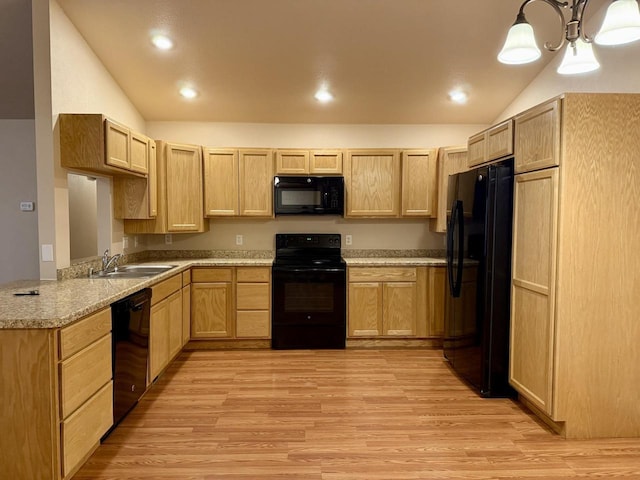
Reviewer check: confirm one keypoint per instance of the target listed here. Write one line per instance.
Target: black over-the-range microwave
(308, 195)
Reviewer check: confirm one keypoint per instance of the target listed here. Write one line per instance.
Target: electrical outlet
(135, 241)
(26, 206)
(348, 240)
(239, 239)
(125, 242)
(168, 239)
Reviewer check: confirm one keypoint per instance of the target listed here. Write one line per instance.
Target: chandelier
(621, 25)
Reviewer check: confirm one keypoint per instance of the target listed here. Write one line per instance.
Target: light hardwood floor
(338, 415)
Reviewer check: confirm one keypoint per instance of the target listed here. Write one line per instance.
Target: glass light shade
(621, 24)
(578, 58)
(520, 45)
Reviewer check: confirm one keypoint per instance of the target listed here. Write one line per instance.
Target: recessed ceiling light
(162, 42)
(188, 92)
(458, 96)
(323, 95)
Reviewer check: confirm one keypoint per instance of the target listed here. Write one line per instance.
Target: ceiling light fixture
(323, 95)
(188, 92)
(162, 42)
(621, 25)
(458, 96)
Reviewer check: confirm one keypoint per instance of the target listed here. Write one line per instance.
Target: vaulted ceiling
(385, 61)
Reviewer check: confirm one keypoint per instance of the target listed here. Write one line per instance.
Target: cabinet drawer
(252, 296)
(77, 336)
(382, 274)
(81, 432)
(83, 374)
(206, 275)
(253, 274)
(255, 324)
(162, 290)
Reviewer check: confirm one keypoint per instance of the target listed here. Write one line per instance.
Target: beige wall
(311, 136)
(260, 234)
(81, 84)
(19, 238)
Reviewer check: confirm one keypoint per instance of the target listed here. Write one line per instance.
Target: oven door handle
(307, 269)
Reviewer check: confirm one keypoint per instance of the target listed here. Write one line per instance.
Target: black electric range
(309, 292)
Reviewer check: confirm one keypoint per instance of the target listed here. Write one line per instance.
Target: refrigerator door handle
(450, 232)
(460, 219)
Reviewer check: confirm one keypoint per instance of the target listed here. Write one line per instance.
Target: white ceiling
(386, 61)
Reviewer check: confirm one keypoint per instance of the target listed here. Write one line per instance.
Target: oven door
(309, 307)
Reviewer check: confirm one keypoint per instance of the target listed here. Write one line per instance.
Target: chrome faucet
(108, 262)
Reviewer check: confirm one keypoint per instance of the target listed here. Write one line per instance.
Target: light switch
(47, 253)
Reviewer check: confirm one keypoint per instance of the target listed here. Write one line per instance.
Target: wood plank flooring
(338, 415)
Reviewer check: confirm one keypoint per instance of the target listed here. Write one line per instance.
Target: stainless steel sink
(134, 271)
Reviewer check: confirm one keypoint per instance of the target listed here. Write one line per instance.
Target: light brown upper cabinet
(94, 143)
(451, 160)
(221, 182)
(419, 183)
(256, 182)
(179, 181)
(137, 198)
(238, 182)
(491, 144)
(372, 182)
(390, 183)
(537, 138)
(314, 162)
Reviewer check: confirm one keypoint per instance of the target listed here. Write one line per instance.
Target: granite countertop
(62, 302)
(396, 262)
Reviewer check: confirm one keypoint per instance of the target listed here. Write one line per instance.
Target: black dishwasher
(130, 333)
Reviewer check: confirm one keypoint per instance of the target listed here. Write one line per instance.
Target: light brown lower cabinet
(166, 324)
(390, 302)
(212, 303)
(56, 397)
(231, 303)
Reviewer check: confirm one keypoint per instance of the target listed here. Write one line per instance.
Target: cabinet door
(325, 162)
(184, 188)
(292, 162)
(365, 309)
(399, 309)
(139, 153)
(256, 183)
(175, 323)
(500, 140)
(373, 183)
(211, 310)
(451, 160)
(533, 286)
(537, 138)
(152, 180)
(186, 314)
(220, 183)
(117, 145)
(158, 338)
(436, 301)
(476, 147)
(418, 183)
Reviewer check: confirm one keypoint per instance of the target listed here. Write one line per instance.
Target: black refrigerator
(479, 231)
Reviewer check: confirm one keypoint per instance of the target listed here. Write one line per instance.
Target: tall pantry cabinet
(575, 316)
